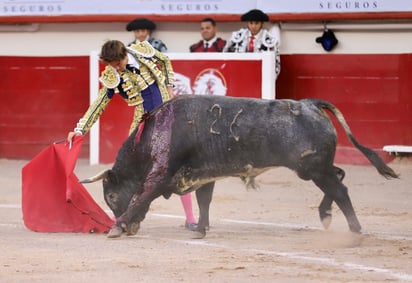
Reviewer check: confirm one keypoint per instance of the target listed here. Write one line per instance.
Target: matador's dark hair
(113, 50)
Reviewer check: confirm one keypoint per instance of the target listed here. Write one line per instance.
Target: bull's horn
(97, 177)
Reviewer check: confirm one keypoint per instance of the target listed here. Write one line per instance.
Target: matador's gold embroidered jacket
(146, 66)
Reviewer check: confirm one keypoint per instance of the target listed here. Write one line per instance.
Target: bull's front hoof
(198, 234)
(115, 232)
(355, 228)
(132, 229)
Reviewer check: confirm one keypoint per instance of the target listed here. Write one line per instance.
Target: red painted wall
(43, 98)
(372, 91)
(242, 79)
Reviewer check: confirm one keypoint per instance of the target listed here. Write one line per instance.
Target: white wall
(353, 38)
(81, 38)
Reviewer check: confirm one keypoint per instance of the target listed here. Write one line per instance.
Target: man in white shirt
(255, 38)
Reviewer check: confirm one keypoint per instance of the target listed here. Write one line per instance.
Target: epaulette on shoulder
(142, 49)
(269, 40)
(238, 36)
(110, 78)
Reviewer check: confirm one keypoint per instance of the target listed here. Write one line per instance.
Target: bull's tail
(371, 155)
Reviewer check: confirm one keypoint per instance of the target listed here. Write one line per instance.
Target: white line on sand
(294, 256)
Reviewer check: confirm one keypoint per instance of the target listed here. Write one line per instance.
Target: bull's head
(117, 192)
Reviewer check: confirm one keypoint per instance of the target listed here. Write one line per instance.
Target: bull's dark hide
(192, 141)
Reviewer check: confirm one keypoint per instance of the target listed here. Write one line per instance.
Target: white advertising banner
(194, 7)
(334, 6)
(123, 7)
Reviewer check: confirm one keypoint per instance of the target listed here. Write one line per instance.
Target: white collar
(256, 35)
(210, 42)
(132, 61)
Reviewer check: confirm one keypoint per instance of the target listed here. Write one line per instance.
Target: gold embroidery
(154, 67)
(127, 85)
(94, 112)
(143, 49)
(110, 78)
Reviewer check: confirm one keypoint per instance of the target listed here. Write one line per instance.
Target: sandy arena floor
(269, 235)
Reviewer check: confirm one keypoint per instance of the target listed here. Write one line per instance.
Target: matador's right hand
(70, 137)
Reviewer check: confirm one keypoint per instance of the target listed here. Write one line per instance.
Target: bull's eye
(111, 197)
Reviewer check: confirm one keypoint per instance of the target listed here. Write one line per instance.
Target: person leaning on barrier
(210, 42)
(255, 38)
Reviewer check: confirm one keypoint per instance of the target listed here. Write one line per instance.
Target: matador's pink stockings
(187, 206)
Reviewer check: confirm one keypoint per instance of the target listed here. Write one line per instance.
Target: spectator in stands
(144, 78)
(255, 38)
(142, 29)
(210, 42)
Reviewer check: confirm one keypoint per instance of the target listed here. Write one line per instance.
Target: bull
(191, 141)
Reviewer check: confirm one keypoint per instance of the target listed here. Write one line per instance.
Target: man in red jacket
(210, 42)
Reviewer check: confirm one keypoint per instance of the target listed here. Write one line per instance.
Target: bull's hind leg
(340, 173)
(204, 198)
(336, 191)
(325, 207)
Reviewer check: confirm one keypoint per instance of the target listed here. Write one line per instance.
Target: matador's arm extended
(94, 111)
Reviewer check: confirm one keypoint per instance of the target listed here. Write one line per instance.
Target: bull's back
(222, 134)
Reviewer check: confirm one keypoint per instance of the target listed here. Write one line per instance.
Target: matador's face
(141, 34)
(120, 65)
(254, 27)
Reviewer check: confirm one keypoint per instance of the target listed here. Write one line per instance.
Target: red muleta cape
(53, 200)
